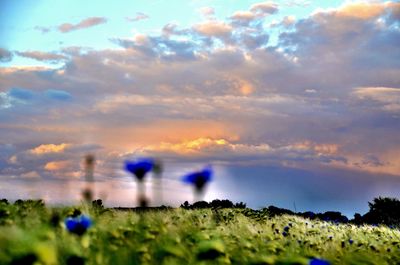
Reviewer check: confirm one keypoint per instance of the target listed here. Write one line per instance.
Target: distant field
(34, 234)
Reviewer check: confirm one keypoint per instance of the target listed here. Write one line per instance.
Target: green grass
(178, 236)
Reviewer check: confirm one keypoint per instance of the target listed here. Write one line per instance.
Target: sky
(294, 103)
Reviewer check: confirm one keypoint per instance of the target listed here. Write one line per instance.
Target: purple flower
(139, 168)
(78, 225)
(319, 262)
(199, 178)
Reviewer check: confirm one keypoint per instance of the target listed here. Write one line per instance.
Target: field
(31, 233)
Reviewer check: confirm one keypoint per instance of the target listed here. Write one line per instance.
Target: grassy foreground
(34, 234)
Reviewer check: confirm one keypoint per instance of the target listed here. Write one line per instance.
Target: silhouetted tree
(98, 204)
(221, 204)
(357, 219)
(331, 216)
(200, 205)
(185, 205)
(240, 205)
(273, 211)
(309, 215)
(383, 211)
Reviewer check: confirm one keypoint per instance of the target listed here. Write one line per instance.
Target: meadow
(31, 233)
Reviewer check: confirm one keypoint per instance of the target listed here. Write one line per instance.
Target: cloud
(162, 48)
(334, 42)
(243, 15)
(287, 21)
(389, 97)
(234, 152)
(264, 8)
(43, 56)
(43, 30)
(300, 3)
(208, 146)
(58, 95)
(254, 16)
(86, 23)
(21, 94)
(385, 94)
(49, 148)
(30, 175)
(315, 99)
(5, 55)
(213, 29)
(361, 10)
(17, 96)
(139, 16)
(207, 12)
(243, 18)
(57, 165)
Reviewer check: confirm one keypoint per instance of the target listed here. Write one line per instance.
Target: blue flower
(351, 241)
(319, 262)
(78, 225)
(199, 178)
(139, 168)
(286, 228)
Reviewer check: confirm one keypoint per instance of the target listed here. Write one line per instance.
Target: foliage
(220, 204)
(30, 233)
(383, 211)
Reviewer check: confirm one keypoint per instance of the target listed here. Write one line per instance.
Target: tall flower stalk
(157, 184)
(89, 177)
(139, 169)
(199, 179)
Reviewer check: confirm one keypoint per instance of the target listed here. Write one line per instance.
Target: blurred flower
(140, 167)
(87, 195)
(89, 160)
(199, 178)
(78, 225)
(286, 228)
(319, 262)
(158, 167)
(89, 167)
(351, 241)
